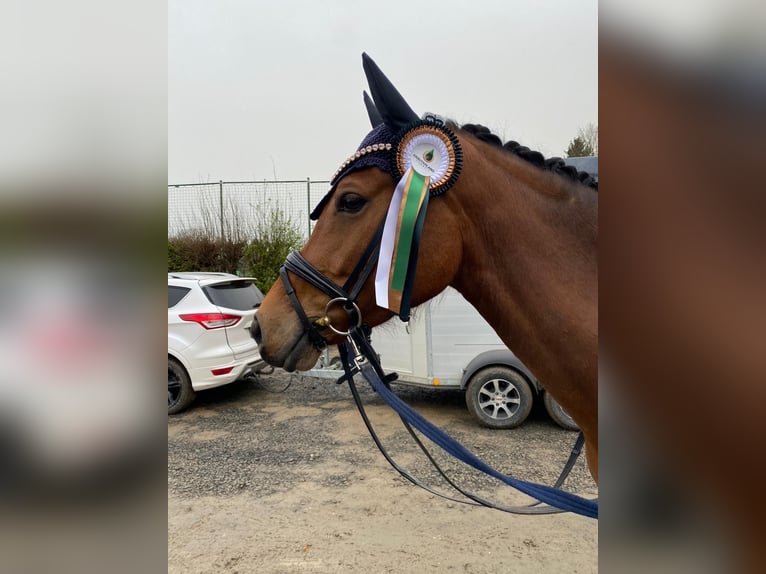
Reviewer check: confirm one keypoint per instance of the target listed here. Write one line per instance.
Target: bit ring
(326, 322)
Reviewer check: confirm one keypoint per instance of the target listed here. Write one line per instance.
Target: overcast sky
(258, 90)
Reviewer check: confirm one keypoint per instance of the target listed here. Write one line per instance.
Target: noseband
(345, 296)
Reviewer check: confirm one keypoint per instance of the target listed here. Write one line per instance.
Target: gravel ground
(280, 475)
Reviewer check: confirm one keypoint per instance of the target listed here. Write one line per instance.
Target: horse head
(344, 245)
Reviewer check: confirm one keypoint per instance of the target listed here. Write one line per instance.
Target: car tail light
(212, 320)
(223, 371)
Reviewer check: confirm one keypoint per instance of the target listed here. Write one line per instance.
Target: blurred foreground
(82, 230)
(683, 120)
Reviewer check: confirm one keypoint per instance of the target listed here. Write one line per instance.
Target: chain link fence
(232, 209)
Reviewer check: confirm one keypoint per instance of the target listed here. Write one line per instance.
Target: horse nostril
(255, 331)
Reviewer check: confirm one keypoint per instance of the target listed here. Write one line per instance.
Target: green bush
(176, 261)
(272, 236)
(199, 251)
(275, 236)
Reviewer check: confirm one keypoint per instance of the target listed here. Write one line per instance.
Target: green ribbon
(414, 200)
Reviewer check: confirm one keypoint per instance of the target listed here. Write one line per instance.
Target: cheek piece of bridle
(345, 296)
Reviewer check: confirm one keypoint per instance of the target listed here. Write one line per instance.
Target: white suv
(209, 342)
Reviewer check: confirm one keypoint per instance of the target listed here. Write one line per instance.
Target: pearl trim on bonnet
(364, 151)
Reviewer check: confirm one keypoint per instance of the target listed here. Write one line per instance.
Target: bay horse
(515, 234)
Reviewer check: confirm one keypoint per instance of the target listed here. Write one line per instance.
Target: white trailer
(448, 345)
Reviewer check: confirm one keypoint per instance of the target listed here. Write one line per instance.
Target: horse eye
(351, 202)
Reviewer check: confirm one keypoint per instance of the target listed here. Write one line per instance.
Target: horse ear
(392, 107)
(372, 111)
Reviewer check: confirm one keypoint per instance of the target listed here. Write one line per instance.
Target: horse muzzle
(296, 352)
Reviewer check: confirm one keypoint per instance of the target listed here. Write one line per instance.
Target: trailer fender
(499, 357)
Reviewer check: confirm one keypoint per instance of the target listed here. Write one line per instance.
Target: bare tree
(589, 134)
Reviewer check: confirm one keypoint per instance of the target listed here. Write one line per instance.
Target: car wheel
(558, 414)
(499, 397)
(180, 391)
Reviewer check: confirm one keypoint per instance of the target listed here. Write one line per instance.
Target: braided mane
(554, 164)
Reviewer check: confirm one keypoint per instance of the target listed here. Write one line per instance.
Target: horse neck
(529, 262)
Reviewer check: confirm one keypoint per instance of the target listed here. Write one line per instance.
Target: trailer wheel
(558, 414)
(499, 397)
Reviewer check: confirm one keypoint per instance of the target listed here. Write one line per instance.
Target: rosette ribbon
(400, 243)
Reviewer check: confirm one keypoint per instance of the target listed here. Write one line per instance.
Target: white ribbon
(387, 243)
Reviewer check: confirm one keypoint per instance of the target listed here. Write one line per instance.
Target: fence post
(220, 201)
(308, 202)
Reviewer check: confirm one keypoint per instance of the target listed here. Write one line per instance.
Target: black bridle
(346, 296)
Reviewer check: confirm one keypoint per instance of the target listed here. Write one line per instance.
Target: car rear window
(175, 294)
(240, 295)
